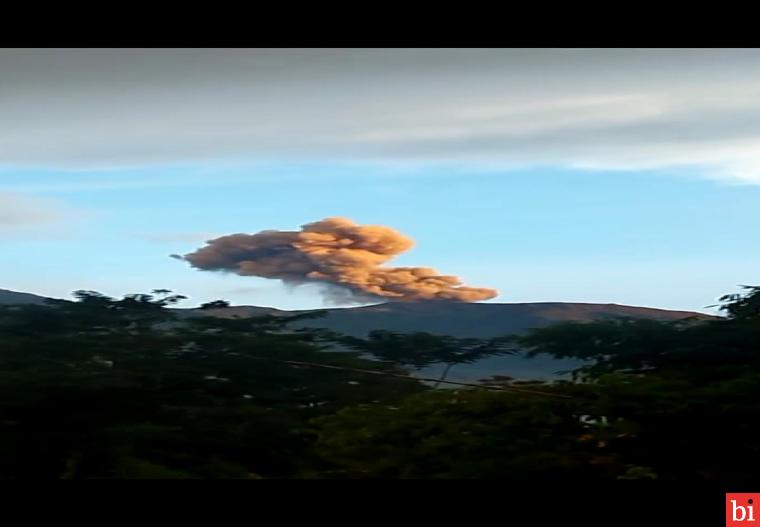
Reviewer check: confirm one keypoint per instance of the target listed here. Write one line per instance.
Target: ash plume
(338, 253)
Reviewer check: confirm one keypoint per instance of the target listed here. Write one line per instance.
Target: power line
(398, 375)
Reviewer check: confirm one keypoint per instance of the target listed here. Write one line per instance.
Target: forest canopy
(121, 388)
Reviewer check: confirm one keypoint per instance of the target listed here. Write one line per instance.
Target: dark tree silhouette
(215, 304)
(744, 306)
(424, 349)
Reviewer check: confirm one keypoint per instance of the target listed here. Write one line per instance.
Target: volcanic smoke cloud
(336, 252)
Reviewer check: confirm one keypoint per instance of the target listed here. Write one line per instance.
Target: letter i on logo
(740, 509)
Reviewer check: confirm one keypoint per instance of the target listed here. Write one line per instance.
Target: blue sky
(664, 239)
(611, 176)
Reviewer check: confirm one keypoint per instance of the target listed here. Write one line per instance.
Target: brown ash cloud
(345, 257)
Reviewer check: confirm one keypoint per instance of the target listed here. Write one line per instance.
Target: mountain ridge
(460, 319)
(15, 297)
(457, 319)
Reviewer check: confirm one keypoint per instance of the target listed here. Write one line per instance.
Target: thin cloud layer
(18, 211)
(345, 257)
(176, 237)
(618, 109)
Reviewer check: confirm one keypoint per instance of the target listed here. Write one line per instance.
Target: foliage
(742, 306)
(105, 388)
(423, 349)
(461, 434)
(215, 304)
(658, 400)
(123, 388)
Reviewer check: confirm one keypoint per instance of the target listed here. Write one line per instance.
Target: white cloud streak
(615, 109)
(25, 215)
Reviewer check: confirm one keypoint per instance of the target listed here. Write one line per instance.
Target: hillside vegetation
(122, 388)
